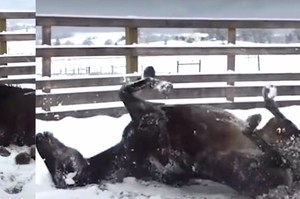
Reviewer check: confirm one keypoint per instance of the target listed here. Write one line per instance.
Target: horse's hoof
(269, 92)
(164, 87)
(253, 121)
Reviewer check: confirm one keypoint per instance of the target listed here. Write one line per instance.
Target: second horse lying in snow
(173, 143)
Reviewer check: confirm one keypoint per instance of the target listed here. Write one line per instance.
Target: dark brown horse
(173, 143)
(207, 141)
(17, 116)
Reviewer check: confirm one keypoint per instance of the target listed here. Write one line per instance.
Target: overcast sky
(163, 8)
(175, 8)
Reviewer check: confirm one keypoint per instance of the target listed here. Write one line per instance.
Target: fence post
(231, 64)
(46, 40)
(3, 43)
(46, 65)
(258, 62)
(131, 35)
(200, 66)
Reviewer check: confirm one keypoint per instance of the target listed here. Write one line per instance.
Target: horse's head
(46, 144)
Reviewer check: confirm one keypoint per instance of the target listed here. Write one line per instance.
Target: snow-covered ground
(21, 47)
(16, 181)
(93, 135)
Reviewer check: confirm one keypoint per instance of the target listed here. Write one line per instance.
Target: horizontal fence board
(16, 58)
(119, 111)
(72, 82)
(76, 98)
(16, 36)
(17, 70)
(17, 14)
(178, 93)
(93, 21)
(127, 50)
(80, 82)
(17, 81)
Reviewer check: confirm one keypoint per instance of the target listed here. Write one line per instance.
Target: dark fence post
(131, 34)
(3, 43)
(231, 64)
(258, 62)
(46, 40)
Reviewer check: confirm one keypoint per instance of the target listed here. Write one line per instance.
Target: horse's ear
(149, 72)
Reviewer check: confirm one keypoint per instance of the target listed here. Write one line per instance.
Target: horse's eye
(283, 130)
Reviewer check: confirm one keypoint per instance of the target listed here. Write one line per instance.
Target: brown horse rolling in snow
(174, 143)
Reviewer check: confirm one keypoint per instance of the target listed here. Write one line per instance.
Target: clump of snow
(16, 181)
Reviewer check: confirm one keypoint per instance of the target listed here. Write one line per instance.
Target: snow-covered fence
(15, 64)
(189, 64)
(132, 25)
(88, 96)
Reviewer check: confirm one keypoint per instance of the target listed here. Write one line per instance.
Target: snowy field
(93, 135)
(166, 64)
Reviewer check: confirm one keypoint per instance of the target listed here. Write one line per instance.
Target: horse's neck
(60, 144)
(106, 156)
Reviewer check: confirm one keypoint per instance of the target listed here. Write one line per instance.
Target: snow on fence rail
(88, 96)
(12, 65)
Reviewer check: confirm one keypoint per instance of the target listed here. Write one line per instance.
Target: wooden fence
(15, 64)
(59, 97)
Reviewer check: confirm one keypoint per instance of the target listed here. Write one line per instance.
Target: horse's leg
(163, 172)
(56, 172)
(253, 120)
(148, 138)
(136, 106)
(273, 156)
(269, 93)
